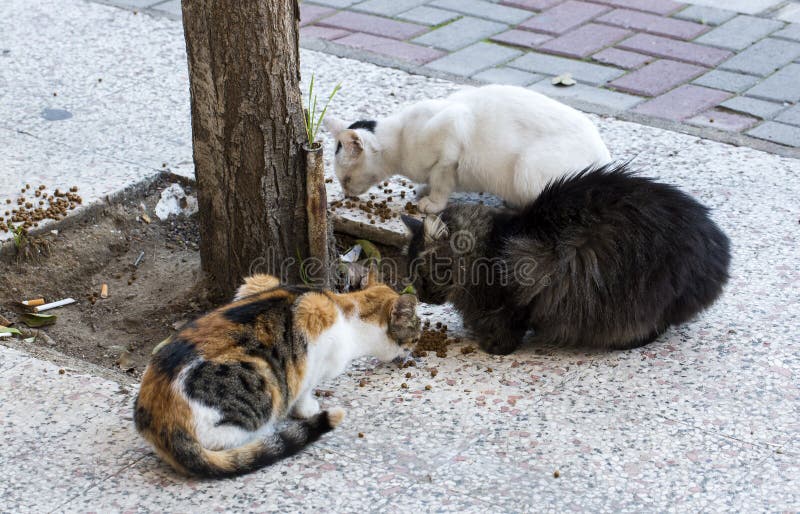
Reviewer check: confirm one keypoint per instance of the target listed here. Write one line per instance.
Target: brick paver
(753, 106)
(734, 68)
(563, 17)
(764, 57)
(657, 77)
(740, 32)
(777, 132)
(673, 49)
(727, 81)
(705, 15)
(370, 24)
(653, 24)
(468, 61)
(551, 65)
(484, 9)
(622, 58)
(392, 48)
(585, 41)
(461, 33)
(524, 38)
(722, 120)
(682, 103)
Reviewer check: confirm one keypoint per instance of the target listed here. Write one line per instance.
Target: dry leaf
(564, 80)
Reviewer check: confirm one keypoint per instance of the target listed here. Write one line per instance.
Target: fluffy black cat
(603, 258)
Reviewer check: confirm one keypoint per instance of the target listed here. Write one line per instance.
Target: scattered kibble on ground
(37, 204)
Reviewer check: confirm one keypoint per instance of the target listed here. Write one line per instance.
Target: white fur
(505, 140)
(327, 357)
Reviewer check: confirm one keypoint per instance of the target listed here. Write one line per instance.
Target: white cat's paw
(429, 206)
(305, 408)
(423, 190)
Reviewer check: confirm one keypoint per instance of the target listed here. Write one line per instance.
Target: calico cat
(211, 398)
(604, 258)
(505, 140)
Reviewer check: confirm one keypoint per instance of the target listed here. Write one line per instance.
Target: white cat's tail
(186, 454)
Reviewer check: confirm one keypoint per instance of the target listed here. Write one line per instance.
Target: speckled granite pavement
(707, 418)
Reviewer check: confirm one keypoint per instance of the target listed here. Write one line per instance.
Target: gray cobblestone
(472, 59)
(783, 86)
(549, 65)
(777, 133)
(460, 33)
(484, 9)
(727, 81)
(425, 15)
(510, 76)
(764, 57)
(705, 15)
(754, 107)
(594, 95)
(740, 32)
(790, 116)
(792, 31)
(388, 7)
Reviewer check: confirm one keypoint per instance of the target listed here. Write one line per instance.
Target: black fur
(171, 358)
(603, 258)
(360, 124)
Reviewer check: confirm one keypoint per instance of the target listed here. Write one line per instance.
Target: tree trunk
(247, 131)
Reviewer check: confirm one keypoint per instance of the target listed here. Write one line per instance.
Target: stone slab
(783, 86)
(461, 33)
(611, 100)
(780, 133)
(673, 49)
(758, 108)
(484, 9)
(564, 17)
(705, 15)
(727, 81)
(740, 32)
(425, 15)
(657, 77)
(764, 58)
(503, 75)
(472, 59)
(682, 103)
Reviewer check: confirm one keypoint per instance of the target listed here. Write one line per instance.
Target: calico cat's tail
(187, 454)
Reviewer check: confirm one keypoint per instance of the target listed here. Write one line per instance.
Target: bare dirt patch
(145, 304)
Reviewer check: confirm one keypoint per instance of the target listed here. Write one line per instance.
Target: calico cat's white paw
(305, 408)
(429, 206)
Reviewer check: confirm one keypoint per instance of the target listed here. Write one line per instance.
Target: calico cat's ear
(434, 229)
(414, 225)
(334, 125)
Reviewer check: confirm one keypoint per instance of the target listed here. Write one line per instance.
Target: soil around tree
(145, 304)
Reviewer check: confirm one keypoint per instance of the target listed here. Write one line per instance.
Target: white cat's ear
(334, 125)
(434, 229)
(352, 142)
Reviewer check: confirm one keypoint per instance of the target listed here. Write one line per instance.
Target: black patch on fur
(238, 392)
(171, 358)
(247, 313)
(618, 259)
(142, 417)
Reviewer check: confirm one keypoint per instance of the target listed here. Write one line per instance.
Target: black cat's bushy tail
(186, 453)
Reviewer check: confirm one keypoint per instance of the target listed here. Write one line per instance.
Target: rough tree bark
(247, 130)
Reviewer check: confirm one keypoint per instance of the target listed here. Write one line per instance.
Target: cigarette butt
(53, 305)
(146, 218)
(104, 291)
(33, 303)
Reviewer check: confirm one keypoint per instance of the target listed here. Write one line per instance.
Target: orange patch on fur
(314, 313)
(257, 284)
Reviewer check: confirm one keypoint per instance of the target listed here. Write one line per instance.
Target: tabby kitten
(211, 398)
(603, 258)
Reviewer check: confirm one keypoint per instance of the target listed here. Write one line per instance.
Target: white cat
(505, 140)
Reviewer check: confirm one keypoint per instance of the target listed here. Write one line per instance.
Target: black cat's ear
(414, 225)
(434, 228)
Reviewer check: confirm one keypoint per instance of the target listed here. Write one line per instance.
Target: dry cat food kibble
(434, 341)
(30, 212)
